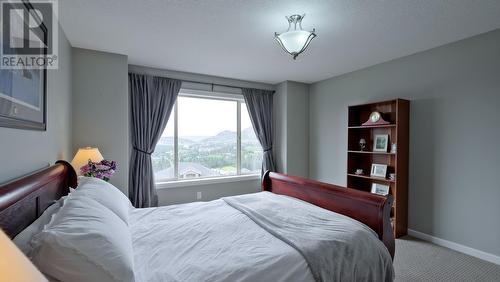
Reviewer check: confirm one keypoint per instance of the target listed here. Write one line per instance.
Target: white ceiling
(235, 38)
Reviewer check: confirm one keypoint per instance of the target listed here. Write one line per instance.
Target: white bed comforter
(213, 241)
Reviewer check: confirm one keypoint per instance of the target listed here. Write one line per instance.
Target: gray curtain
(260, 108)
(151, 99)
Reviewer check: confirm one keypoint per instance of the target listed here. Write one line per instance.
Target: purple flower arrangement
(102, 170)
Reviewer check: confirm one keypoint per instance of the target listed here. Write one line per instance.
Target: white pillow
(106, 194)
(23, 239)
(85, 241)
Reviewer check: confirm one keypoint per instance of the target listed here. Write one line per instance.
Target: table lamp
(83, 156)
(14, 265)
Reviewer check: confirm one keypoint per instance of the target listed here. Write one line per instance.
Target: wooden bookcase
(397, 113)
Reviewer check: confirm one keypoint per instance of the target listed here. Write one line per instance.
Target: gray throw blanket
(336, 247)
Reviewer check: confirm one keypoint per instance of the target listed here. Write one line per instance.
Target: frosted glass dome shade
(295, 42)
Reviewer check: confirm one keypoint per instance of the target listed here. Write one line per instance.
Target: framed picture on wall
(379, 170)
(380, 189)
(380, 143)
(23, 88)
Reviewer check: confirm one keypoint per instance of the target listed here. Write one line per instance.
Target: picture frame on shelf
(379, 170)
(380, 143)
(380, 189)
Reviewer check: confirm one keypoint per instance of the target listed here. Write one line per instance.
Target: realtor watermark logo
(29, 34)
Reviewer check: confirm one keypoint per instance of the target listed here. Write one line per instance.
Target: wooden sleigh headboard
(370, 209)
(23, 200)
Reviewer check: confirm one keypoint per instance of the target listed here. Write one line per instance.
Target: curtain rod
(213, 84)
(179, 76)
(223, 85)
(197, 82)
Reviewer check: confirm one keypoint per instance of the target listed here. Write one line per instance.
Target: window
(206, 137)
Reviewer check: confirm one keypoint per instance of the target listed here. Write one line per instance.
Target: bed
(279, 234)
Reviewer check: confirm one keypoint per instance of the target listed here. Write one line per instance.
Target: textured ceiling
(235, 38)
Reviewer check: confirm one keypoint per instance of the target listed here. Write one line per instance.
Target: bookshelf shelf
(370, 152)
(371, 178)
(372, 126)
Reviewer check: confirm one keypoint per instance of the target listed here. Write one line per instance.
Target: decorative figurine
(362, 144)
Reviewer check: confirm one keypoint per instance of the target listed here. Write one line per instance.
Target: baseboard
(457, 247)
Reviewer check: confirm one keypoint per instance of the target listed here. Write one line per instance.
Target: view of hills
(217, 153)
(221, 137)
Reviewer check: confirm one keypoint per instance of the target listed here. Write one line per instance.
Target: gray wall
(291, 128)
(297, 129)
(280, 126)
(23, 151)
(179, 195)
(454, 132)
(101, 108)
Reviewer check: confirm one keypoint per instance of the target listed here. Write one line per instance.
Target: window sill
(205, 181)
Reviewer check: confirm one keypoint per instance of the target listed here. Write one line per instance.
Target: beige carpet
(418, 260)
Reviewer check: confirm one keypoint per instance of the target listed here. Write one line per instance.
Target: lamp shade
(14, 265)
(83, 156)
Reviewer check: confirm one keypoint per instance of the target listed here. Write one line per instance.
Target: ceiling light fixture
(295, 41)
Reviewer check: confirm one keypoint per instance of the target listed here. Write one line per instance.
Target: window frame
(179, 182)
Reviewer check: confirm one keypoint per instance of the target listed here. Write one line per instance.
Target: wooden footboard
(370, 209)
